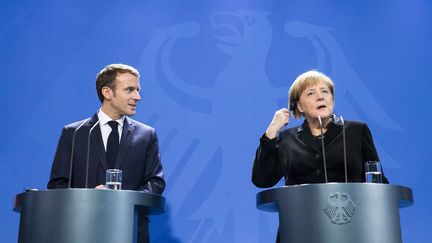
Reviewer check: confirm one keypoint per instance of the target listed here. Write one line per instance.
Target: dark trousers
(142, 228)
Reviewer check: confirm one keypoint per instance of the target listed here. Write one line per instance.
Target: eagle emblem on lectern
(339, 208)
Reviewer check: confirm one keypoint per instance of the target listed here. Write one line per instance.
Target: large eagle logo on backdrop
(353, 97)
(206, 136)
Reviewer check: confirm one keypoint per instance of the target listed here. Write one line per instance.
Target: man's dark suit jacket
(297, 155)
(138, 157)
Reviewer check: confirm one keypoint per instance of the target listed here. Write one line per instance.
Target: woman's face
(316, 100)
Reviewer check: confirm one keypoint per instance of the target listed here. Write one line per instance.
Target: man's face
(123, 100)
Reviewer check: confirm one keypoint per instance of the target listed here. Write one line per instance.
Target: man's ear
(107, 92)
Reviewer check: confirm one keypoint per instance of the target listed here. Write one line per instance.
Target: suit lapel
(125, 140)
(97, 146)
(310, 141)
(305, 135)
(334, 131)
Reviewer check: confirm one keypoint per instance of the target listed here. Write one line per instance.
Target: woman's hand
(280, 119)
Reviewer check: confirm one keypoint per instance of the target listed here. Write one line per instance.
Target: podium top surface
(154, 203)
(268, 200)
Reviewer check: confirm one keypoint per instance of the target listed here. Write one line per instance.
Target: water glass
(373, 172)
(113, 179)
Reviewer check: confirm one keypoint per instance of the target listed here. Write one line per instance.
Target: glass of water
(373, 172)
(113, 179)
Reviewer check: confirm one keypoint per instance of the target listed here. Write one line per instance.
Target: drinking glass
(113, 179)
(373, 172)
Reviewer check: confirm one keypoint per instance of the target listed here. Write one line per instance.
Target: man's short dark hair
(107, 76)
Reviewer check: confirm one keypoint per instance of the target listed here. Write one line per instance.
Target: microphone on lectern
(338, 120)
(344, 148)
(323, 149)
(88, 152)
(72, 152)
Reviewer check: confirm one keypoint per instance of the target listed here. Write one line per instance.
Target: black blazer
(297, 155)
(138, 157)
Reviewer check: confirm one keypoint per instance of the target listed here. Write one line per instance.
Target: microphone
(340, 121)
(323, 149)
(88, 152)
(72, 152)
(344, 148)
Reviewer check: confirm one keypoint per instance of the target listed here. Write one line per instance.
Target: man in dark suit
(116, 141)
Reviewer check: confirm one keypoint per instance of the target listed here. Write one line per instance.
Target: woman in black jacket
(296, 153)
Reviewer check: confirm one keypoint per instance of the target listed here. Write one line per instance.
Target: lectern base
(337, 212)
(83, 215)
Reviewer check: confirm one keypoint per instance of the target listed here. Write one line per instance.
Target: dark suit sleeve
(154, 178)
(368, 149)
(59, 177)
(266, 170)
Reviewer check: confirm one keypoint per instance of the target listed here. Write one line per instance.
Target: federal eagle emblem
(340, 208)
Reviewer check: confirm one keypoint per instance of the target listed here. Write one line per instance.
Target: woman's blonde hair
(303, 81)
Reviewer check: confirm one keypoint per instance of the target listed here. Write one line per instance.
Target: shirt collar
(104, 118)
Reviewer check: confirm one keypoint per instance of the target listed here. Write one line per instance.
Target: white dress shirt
(106, 129)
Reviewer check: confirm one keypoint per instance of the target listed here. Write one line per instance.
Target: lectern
(83, 215)
(337, 212)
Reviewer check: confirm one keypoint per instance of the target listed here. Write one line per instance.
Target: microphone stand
(88, 152)
(72, 153)
(323, 149)
(344, 148)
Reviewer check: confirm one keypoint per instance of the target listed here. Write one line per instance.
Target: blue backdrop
(213, 73)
